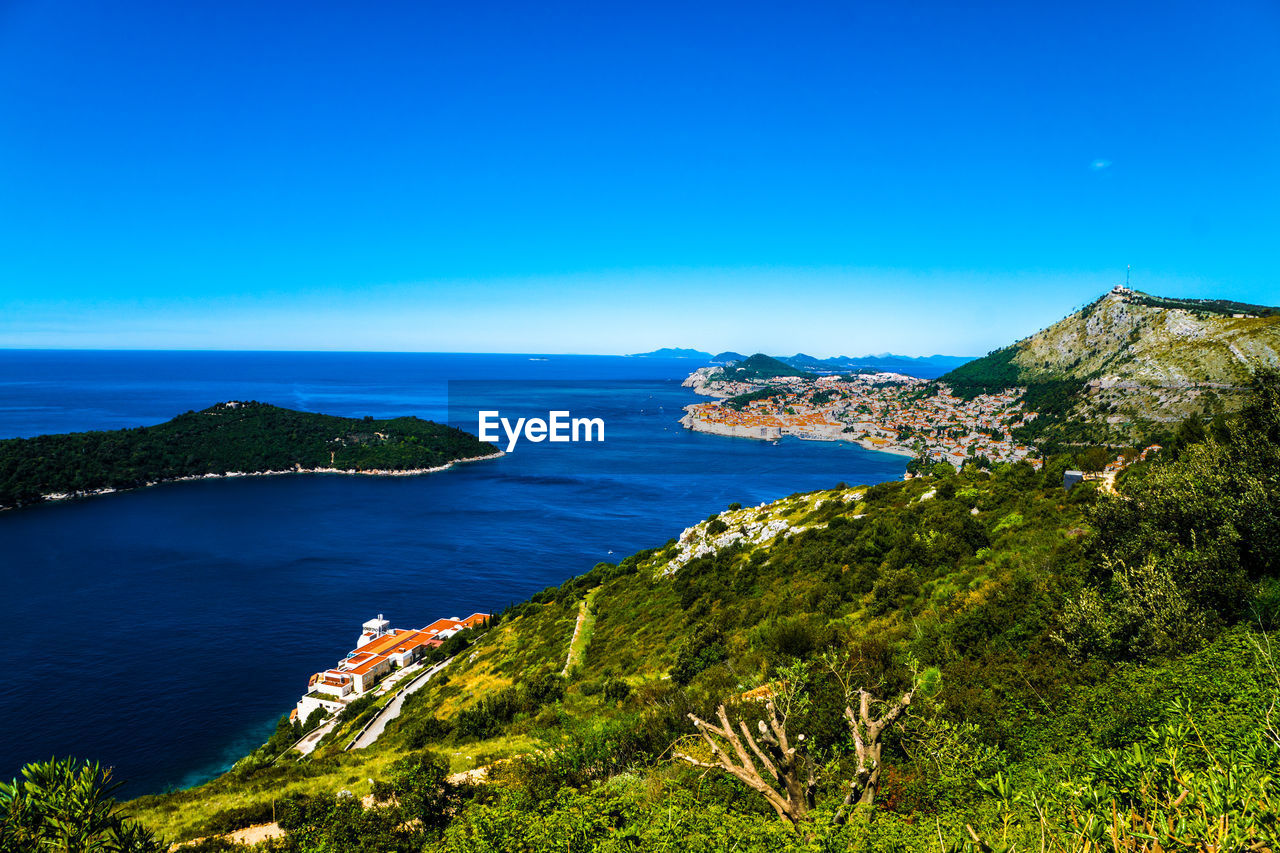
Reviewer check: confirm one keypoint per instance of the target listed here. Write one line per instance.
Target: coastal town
(380, 650)
(889, 412)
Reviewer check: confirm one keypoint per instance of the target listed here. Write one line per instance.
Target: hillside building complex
(379, 650)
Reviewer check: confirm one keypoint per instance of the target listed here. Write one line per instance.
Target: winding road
(392, 710)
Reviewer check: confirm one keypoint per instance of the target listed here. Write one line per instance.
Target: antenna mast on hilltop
(1126, 275)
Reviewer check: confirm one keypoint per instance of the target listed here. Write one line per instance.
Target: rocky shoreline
(372, 472)
(700, 382)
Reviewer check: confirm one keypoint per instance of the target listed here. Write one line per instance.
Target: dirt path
(250, 835)
(581, 633)
(254, 834)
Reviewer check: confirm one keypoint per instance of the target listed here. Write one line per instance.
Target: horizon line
(437, 352)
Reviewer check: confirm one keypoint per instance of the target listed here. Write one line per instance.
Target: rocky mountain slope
(1133, 362)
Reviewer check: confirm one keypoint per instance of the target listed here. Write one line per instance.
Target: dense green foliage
(66, 805)
(246, 437)
(1222, 307)
(487, 716)
(1094, 671)
(996, 369)
(1193, 547)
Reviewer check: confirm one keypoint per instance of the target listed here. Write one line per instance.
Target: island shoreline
(53, 497)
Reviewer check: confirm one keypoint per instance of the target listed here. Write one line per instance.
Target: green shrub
(66, 804)
(615, 690)
(704, 648)
(487, 717)
(422, 731)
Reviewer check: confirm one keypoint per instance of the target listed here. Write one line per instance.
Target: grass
(485, 752)
(180, 816)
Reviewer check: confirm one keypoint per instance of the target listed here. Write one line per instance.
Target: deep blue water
(164, 631)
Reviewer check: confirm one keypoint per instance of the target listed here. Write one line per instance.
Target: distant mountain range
(1130, 364)
(924, 367)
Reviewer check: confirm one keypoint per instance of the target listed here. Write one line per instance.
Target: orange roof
(364, 668)
(383, 643)
(410, 640)
(441, 625)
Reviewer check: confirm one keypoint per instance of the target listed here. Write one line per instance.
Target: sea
(163, 632)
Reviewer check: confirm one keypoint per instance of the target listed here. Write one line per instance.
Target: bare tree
(867, 734)
(787, 780)
(785, 774)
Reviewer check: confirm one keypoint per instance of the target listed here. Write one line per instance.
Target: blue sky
(831, 178)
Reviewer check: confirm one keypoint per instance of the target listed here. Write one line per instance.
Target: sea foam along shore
(372, 472)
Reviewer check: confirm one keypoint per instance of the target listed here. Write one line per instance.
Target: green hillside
(757, 367)
(1080, 666)
(1129, 365)
(242, 436)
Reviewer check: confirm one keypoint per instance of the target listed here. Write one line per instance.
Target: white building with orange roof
(379, 650)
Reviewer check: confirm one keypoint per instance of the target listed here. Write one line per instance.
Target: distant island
(228, 439)
(674, 352)
(757, 367)
(921, 367)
